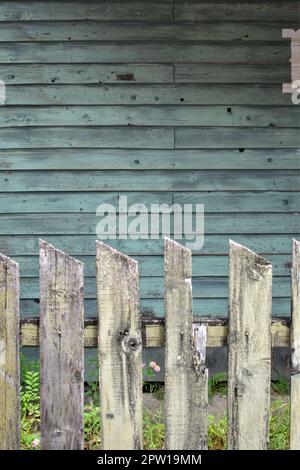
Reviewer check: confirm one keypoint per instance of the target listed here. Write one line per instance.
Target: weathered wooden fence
(119, 332)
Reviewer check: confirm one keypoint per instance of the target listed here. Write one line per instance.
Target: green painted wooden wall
(163, 101)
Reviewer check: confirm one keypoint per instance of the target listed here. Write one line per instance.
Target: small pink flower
(143, 365)
(156, 368)
(35, 443)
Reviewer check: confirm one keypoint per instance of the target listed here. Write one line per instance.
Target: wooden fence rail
(153, 331)
(119, 334)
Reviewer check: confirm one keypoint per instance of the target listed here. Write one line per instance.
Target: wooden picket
(120, 349)
(9, 355)
(249, 349)
(62, 337)
(186, 397)
(295, 350)
(61, 349)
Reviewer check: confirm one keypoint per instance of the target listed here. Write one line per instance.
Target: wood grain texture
(9, 355)
(86, 73)
(154, 307)
(85, 137)
(61, 350)
(98, 94)
(140, 159)
(249, 353)
(85, 224)
(171, 116)
(74, 10)
(152, 287)
(295, 350)
(214, 307)
(72, 52)
(243, 201)
(239, 73)
(144, 11)
(48, 31)
(152, 266)
(237, 137)
(221, 201)
(144, 93)
(87, 202)
(151, 180)
(81, 245)
(120, 350)
(186, 378)
(236, 11)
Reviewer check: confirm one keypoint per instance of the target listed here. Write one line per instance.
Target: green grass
(279, 429)
(280, 385)
(217, 433)
(154, 430)
(279, 425)
(92, 427)
(217, 383)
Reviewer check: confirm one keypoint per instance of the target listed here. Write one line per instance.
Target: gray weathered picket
(61, 349)
(9, 355)
(249, 349)
(120, 350)
(186, 395)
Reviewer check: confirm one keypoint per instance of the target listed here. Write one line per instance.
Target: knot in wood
(77, 376)
(131, 344)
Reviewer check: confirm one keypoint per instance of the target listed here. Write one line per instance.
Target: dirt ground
(217, 404)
